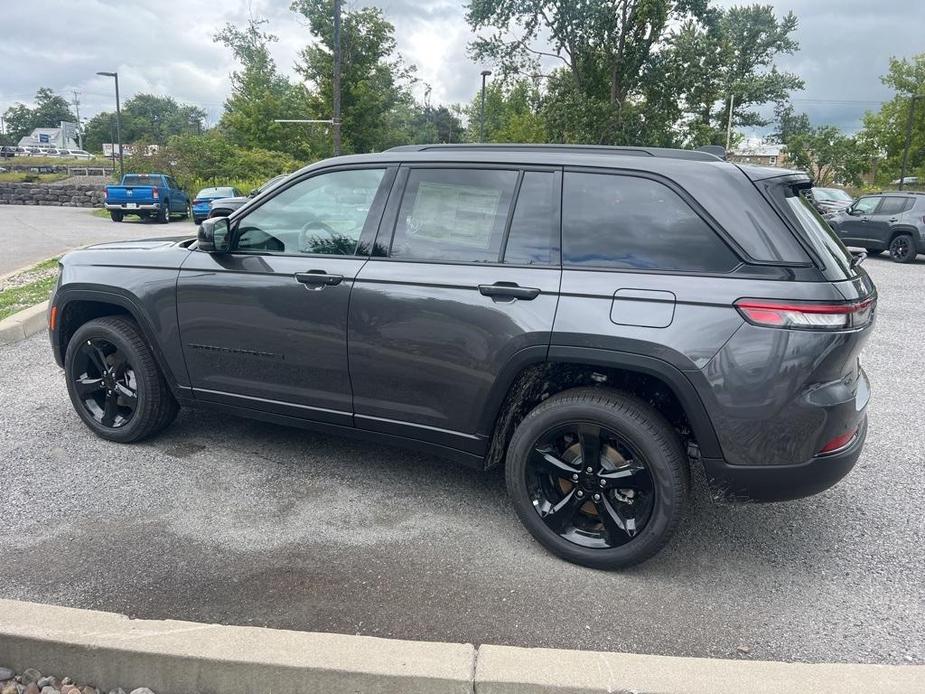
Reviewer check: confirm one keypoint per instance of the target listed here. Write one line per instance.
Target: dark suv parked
(888, 221)
(594, 319)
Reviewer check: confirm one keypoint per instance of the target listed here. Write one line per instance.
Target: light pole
(902, 172)
(485, 73)
(115, 76)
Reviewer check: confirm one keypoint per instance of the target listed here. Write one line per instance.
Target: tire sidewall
(143, 381)
(669, 499)
(910, 256)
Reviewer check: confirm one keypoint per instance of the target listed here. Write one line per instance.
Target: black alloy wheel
(589, 485)
(598, 477)
(105, 383)
(902, 249)
(114, 381)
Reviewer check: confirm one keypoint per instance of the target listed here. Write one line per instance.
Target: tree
(728, 56)
(145, 118)
(607, 52)
(512, 113)
(48, 112)
(260, 95)
(376, 99)
(885, 131)
(828, 155)
(789, 124)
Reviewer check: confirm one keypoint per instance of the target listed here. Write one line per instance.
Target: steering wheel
(314, 224)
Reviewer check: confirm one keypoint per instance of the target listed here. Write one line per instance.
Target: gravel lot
(235, 521)
(30, 233)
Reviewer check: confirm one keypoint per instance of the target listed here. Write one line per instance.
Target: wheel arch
(908, 230)
(530, 379)
(78, 306)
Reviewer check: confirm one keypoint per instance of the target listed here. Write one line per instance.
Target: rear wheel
(164, 216)
(874, 251)
(902, 249)
(115, 215)
(598, 477)
(114, 382)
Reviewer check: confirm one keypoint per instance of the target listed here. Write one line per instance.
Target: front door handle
(893, 219)
(318, 278)
(508, 290)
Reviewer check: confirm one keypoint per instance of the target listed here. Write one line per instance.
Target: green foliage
(145, 118)
(49, 110)
(512, 113)
(885, 131)
(729, 55)
(260, 95)
(376, 102)
(828, 155)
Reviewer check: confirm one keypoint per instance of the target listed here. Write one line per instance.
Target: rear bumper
(783, 482)
(124, 206)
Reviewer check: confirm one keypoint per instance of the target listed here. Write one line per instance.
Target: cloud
(165, 47)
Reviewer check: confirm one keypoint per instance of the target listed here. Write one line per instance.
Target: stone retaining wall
(68, 195)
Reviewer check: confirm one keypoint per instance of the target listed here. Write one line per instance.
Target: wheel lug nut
(575, 477)
(589, 469)
(597, 497)
(580, 493)
(603, 483)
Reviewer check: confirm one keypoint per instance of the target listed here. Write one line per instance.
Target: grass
(27, 288)
(27, 177)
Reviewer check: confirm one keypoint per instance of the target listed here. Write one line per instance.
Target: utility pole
(485, 73)
(80, 138)
(732, 99)
(115, 75)
(902, 172)
(337, 71)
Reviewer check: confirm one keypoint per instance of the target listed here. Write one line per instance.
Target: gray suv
(597, 320)
(887, 221)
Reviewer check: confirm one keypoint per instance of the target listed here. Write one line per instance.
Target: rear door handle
(509, 290)
(318, 278)
(893, 219)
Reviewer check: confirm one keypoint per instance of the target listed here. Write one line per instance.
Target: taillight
(156, 194)
(807, 315)
(197, 201)
(105, 194)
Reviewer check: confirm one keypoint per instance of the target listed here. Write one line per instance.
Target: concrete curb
(24, 324)
(174, 657)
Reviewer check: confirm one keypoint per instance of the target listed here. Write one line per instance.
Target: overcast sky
(164, 47)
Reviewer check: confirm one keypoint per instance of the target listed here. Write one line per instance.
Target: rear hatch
(139, 195)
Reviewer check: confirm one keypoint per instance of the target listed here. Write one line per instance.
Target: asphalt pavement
(31, 233)
(227, 520)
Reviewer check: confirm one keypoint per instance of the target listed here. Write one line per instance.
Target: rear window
(216, 193)
(833, 253)
(141, 180)
(894, 205)
(634, 223)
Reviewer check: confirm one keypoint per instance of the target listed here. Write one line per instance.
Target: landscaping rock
(48, 681)
(6, 674)
(10, 688)
(50, 690)
(141, 690)
(30, 675)
(31, 688)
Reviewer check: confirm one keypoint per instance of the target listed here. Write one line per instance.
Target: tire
(188, 211)
(873, 251)
(902, 249)
(115, 215)
(164, 215)
(644, 440)
(197, 220)
(127, 352)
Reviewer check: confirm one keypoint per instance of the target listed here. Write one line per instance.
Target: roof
(702, 154)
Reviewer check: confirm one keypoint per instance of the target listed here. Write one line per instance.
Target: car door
(880, 224)
(855, 227)
(460, 292)
(264, 326)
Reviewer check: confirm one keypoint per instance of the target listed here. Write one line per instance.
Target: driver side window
(322, 214)
(866, 205)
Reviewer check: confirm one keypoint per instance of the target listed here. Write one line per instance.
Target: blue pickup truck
(156, 196)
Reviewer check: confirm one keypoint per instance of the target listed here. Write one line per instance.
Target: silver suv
(886, 221)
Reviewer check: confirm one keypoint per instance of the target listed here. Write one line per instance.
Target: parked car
(204, 198)
(7, 151)
(887, 221)
(595, 319)
(154, 195)
(829, 200)
(222, 207)
(907, 181)
(78, 154)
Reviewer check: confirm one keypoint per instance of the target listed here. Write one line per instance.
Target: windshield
(821, 236)
(833, 194)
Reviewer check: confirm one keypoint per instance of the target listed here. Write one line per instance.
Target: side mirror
(214, 235)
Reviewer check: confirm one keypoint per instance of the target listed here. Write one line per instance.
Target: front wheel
(598, 477)
(114, 382)
(902, 249)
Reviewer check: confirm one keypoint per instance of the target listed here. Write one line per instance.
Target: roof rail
(696, 155)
